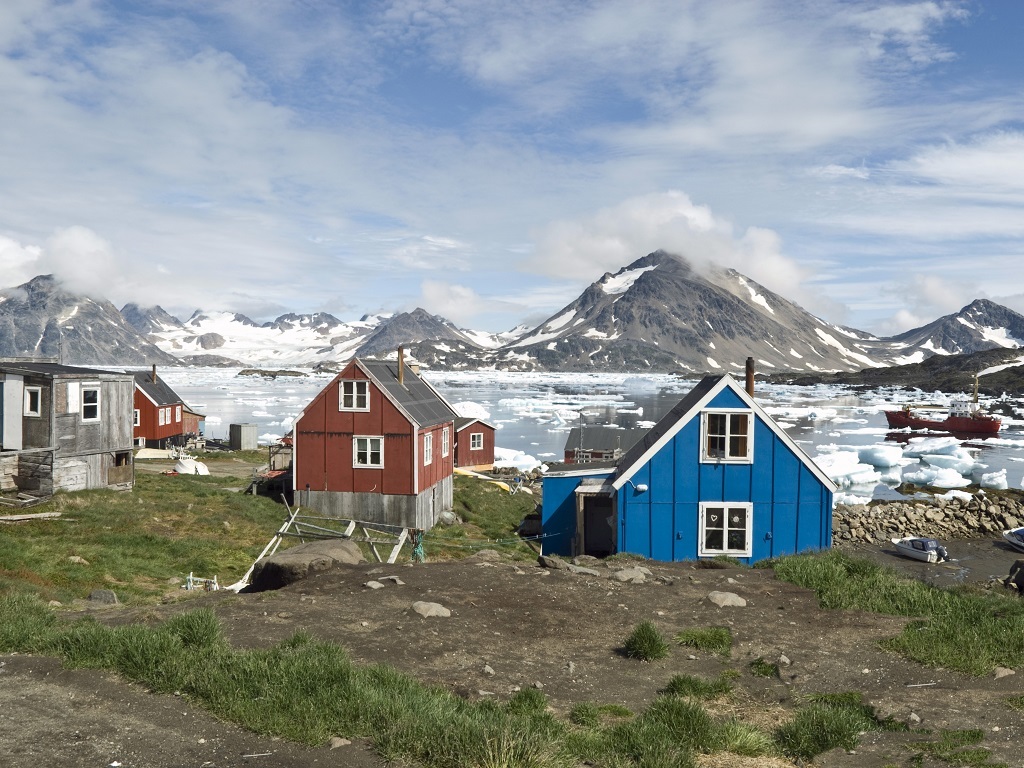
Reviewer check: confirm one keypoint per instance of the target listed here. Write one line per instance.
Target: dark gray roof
(158, 391)
(464, 421)
(655, 433)
(55, 369)
(598, 438)
(417, 398)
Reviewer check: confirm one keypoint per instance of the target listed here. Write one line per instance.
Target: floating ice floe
(506, 457)
(845, 469)
(471, 410)
(921, 446)
(954, 494)
(995, 480)
(939, 477)
(881, 455)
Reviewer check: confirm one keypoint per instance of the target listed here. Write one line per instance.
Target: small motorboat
(1015, 538)
(920, 548)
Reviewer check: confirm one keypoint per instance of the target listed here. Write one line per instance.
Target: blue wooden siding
(792, 508)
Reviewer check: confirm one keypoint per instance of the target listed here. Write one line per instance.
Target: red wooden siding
(465, 457)
(324, 452)
(149, 419)
(441, 466)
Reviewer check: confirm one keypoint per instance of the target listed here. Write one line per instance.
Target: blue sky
(488, 160)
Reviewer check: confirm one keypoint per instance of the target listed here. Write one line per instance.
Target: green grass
(956, 629)
(135, 541)
(957, 748)
(761, 668)
(491, 517)
(699, 688)
(716, 640)
(645, 643)
(828, 721)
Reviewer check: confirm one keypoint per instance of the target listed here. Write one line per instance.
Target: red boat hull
(981, 424)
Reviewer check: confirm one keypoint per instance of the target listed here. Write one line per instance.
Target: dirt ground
(511, 626)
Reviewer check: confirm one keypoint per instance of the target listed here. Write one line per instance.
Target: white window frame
(727, 509)
(88, 406)
(368, 450)
(428, 449)
(476, 441)
(357, 391)
(137, 418)
(29, 410)
(731, 439)
(177, 414)
(445, 442)
(160, 419)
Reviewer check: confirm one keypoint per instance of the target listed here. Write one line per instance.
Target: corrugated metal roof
(416, 397)
(158, 390)
(56, 369)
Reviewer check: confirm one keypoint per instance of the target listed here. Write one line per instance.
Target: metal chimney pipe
(750, 376)
(401, 367)
(153, 377)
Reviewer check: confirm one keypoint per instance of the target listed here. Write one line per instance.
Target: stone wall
(981, 516)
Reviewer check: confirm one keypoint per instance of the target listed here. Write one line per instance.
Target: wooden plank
(398, 547)
(35, 516)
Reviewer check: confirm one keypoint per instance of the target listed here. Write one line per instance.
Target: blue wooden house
(716, 476)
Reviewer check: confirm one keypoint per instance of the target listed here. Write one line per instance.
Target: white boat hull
(1015, 538)
(925, 550)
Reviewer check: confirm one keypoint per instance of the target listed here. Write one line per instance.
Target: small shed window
(355, 396)
(367, 451)
(428, 449)
(726, 529)
(445, 441)
(727, 436)
(476, 441)
(33, 401)
(90, 403)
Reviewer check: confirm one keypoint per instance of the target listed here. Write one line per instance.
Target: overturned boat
(921, 548)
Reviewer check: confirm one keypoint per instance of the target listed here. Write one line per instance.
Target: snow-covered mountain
(656, 314)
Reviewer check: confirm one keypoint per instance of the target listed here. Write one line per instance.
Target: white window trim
(159, 417)
(705, 457)
(177, 414)
(99, 403)
(369, 451)
(357, 385)
(445, 442)
(704, 506)
(38, 410)
(137, 418)
(428, 449)
(476, 441)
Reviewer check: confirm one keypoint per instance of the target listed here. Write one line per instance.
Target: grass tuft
(716, 640)
(699, 688)
(646, 643)
(761, 668)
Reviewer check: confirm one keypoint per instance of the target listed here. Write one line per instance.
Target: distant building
(474, 444)
(160, 414)
(587, 444)
(64, 428)
(715, 476)
(376, 445)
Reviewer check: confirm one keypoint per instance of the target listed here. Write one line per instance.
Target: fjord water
(533, 412)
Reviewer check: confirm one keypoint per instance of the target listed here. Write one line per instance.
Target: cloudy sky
(488, 160)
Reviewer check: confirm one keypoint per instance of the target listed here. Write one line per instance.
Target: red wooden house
(377, 445)
(158, 420)
(474, 443)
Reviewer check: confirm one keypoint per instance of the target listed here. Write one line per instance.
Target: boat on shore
(920, 548)
(1015, 538)
(963, 417)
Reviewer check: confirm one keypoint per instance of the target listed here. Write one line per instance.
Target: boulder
(427, 610)
(726, 599)
(301, 562)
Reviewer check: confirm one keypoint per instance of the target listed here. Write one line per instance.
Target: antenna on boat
(975, 388)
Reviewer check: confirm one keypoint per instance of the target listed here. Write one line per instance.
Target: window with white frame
(33, 401)
(177, 414)
(476, 441)
(428, 449)
(726, 529)
(90, 402)
(160, 417)
(445, 441)
(727, 436)
(354, 395)
(367, 451)
(136, 418)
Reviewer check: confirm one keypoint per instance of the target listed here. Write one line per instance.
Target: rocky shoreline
(978, 515)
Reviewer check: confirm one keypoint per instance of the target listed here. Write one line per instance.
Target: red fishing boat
(963, 416)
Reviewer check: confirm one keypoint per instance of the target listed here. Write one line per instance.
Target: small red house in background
(377, 445)
(474, 443)
(159, 412)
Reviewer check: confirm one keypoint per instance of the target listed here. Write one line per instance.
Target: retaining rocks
(980, 516)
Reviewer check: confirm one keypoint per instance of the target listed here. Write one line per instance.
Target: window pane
(738, 446)
(738, 540)
(712, 540)
(716, 423)
(716, 446)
